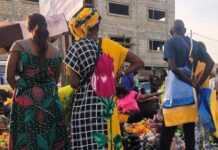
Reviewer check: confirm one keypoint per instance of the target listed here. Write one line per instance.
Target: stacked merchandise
(135, 107)
(4, 132)
(5, 105)
(143, 135)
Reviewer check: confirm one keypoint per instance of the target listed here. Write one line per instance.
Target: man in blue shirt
(176, 53)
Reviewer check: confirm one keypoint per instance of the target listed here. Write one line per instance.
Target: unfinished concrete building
(141, 25)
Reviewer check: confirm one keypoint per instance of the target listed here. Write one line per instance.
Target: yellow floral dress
(118, 53)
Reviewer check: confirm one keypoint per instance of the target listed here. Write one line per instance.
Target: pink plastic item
(128, 103)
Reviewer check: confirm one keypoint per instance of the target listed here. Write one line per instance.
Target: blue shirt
(127, 81)
(178, 48)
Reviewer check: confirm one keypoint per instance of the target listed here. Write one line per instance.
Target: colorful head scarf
(85, 19)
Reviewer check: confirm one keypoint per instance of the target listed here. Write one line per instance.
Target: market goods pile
(4, 138)
(141, 128)
(143, 134)
(4, 134)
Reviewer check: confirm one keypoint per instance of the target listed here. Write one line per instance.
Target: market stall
(5, 103)
(4, 132)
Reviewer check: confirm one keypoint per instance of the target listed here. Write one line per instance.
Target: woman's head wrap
(86, 18)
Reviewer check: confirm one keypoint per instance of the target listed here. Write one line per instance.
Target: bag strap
(191, 49)
(192, 60)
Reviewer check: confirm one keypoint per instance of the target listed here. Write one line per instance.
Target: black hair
(121, 91)
(179, 27)
(93, 30)
(95, 27)
(38, 23)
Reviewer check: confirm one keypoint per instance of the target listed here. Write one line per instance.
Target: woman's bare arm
(145, 96)
(60, 69)
(74, 78)
(135, 63)
(11, 68)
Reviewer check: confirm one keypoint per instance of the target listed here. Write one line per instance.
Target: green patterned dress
(37, 120)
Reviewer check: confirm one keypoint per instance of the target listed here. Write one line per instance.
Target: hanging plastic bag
(214, 110)
(179, 106)
(204, 110)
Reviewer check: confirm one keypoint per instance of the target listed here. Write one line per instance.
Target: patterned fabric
(118, 53)
(115, 51)
(85, 19)
(87, 111)
(37, 120)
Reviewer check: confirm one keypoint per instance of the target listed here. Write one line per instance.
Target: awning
(13, 31)
(9, 34)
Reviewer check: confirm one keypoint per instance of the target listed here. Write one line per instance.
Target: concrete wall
(138, 26)
(17, 9)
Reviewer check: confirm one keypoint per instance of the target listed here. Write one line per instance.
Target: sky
(201, 16)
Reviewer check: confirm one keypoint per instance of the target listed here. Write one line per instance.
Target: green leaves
(108, 108)
(42, 143)
(100, 139)
(117, 142)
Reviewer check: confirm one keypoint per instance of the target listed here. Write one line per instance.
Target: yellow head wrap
(85, 19)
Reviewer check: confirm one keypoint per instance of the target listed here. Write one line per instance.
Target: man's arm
(205, 57)
(182, 76)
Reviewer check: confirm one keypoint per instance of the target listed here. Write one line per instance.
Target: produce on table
(4, 134)
(8, 102)
(65, 92)
(4, 123)
(4, 140)
(141, 135)
(140, 128)
(123, 118)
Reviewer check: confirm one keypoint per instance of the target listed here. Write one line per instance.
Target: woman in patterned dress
(33, 70)
(80, 60)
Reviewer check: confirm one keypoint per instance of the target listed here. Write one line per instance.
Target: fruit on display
(65, 92)
(4, 140)
(8, 102)
(141, 135)
(140, 128)
(123, 118)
